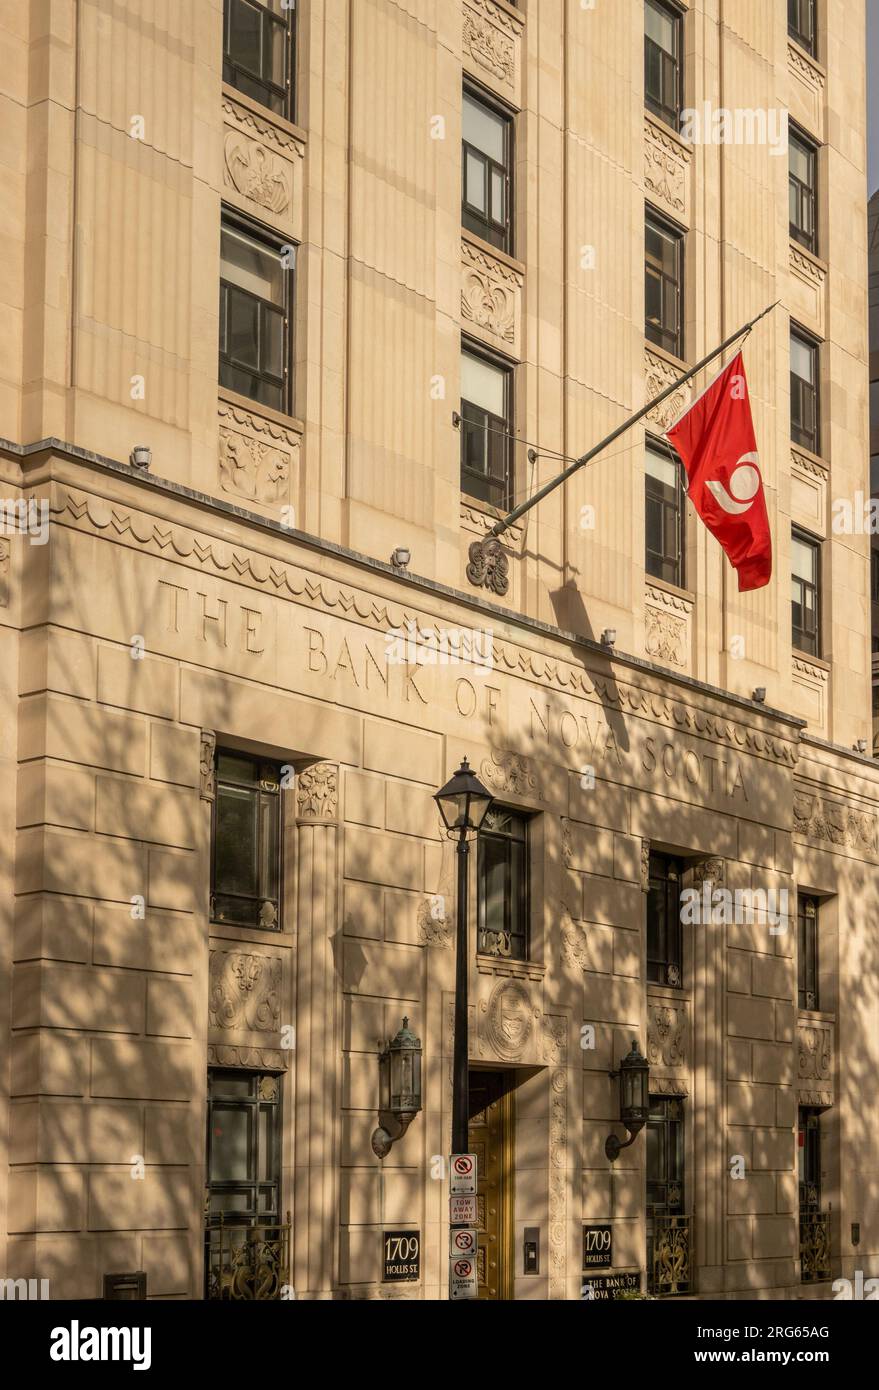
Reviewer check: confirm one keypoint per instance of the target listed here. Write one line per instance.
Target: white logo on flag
(744, 484)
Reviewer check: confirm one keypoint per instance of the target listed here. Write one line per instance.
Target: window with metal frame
(805, 593)
(487, 170)
(805, 423)
(664, 515)
(803, 191)
(486, 428)
(502, 873)
(663, 284)
(801, 24)
(244, 1146)
(807, 951)
(663, 76)
(259, 48)
(246, 842)
(256, 292)
(664, 937)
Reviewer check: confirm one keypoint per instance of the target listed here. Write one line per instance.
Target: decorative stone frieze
(659, 374)
(491, 299)
(258, 456)
(510, 773)
(479, 521)
(262, 167)
(253, 1058)
(816, 817)
(667, 170)
(667, 619)
(807, 283)
(490, 43)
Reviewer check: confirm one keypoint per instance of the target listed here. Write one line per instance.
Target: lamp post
(464, 803)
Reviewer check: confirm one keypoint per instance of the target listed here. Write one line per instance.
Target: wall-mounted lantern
(634, 1075)
(399, 1081)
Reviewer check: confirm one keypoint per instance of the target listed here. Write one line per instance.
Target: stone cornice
(274, 574)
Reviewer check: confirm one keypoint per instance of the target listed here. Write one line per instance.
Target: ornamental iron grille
(503, 889)
(814, 1223)
(247, 1245)
(668, 1226)
(246, 843)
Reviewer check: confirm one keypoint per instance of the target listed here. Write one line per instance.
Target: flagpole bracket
(489, 566)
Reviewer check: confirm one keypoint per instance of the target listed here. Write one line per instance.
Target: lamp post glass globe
(463, 802)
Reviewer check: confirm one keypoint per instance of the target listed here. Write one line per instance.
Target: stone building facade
(231, 612)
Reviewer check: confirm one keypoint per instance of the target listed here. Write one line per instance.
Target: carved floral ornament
(245, 992)
(660, 375)
(665, 638)
(490, 294)
(489, 39)
(257, 173)
(256, 455)
(666, 1036)
(317, 792)
(666, 168)
(94, 515)
(510, 773)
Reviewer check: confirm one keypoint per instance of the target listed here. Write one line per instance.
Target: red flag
(715, 438)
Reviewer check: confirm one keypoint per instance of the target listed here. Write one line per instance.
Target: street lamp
(464, 803)
(399, 1072)
(634, 1075)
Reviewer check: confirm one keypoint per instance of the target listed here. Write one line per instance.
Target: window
(874, 576)
(668, 1227)
(255, 294)
(486, 426)
(246, 858)
(801, 24)
(663, 289)
(804, 414)
(662, 61)
(258, 51)
(502, 877)
(809, 1156)
(247, 1249)
(874, 473)
(664, 510)
(806, 593)
(244, 1146)
(802, 182)
(664, 953)
(807, 951)
(487, 171)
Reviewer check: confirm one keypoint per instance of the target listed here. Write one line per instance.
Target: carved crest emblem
(510, 1019)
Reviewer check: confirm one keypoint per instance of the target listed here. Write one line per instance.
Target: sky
(873, 95)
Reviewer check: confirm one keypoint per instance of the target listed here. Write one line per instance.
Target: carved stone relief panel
(263, 168)
(835, 823)
(814, 1062)
(259, 458)
(806, 91)
(491, 299)
(245, 992)
(810, 682)
(667, 1036)
(807, 280)
(317, 793)
(667, 619)
(491, 47)
(658, 375)
(809, 482)
(667, 171)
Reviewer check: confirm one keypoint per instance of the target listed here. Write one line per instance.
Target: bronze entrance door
(491, 1140)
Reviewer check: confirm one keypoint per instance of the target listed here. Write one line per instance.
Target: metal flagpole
(507, 521)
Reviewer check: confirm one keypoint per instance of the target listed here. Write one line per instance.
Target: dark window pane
(236, 842)
(245, 34)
